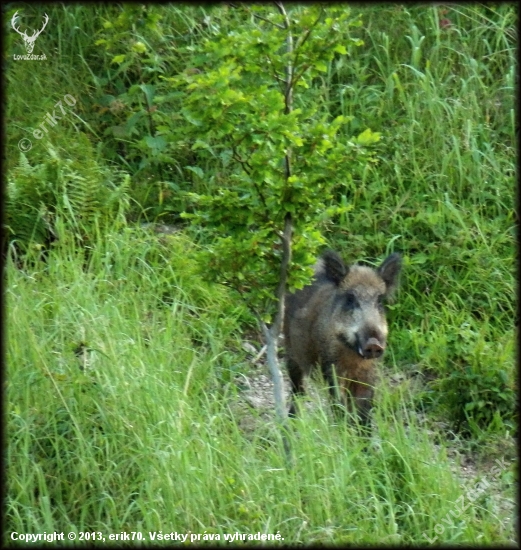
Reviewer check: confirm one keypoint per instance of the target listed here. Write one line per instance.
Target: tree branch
(284, 267)
(244, 163)
(288, 93)
(256, 15)
(300, 43)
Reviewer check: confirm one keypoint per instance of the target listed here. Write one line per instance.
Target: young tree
(258, 119)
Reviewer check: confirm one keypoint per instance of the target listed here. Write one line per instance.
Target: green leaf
(196, 170)
(139, 47)
(157, 143)
(118, 59)
(368, 137)
(200, 144)
(149, 90)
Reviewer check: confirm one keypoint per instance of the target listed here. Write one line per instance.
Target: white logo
(29, 40)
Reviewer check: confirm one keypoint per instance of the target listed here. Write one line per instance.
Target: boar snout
(372, 349)
(368, 348)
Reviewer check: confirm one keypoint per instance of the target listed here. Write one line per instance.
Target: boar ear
(334, 268)
(389, 271)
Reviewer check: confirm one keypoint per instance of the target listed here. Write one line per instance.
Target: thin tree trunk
(271, 335)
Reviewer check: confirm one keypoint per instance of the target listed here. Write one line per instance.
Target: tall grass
(122, 417)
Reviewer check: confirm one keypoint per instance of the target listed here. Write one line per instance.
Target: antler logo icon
(29, 40)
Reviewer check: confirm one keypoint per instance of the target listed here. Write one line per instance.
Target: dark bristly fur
(338, 322)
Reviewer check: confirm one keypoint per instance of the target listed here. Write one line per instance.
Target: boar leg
(350, 395)
(296, 377)
(338, 400)
(362, 396)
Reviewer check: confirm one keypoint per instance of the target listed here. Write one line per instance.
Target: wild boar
(338, 322)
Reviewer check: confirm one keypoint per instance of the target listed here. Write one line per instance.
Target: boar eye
(380, 300)
(350, 301)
